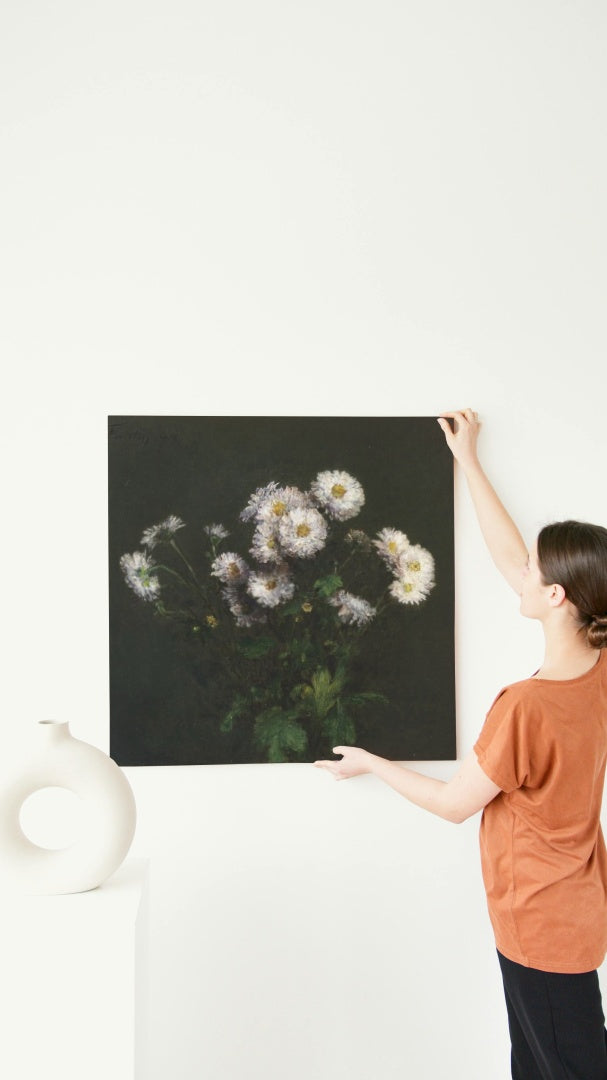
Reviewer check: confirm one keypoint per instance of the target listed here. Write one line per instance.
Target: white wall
(321, 208)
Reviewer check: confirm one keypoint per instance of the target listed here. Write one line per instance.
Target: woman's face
(534, 594)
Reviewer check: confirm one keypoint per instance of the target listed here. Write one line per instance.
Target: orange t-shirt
(544, 742)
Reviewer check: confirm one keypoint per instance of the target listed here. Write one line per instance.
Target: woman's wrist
(472, 467)
(375, 763)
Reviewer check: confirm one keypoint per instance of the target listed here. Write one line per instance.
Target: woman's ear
(557, 595)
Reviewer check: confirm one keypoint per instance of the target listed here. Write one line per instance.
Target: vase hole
(52, 817)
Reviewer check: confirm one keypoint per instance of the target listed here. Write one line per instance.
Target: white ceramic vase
(108, 809)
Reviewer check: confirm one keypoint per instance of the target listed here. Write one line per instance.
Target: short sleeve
(502, 748)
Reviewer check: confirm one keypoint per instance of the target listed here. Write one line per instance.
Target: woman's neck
(567, 655)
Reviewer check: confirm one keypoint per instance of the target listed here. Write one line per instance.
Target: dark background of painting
(203, 469)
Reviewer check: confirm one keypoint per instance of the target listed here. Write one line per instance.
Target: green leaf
(257, 648)
(300, 690)
(292, 608)
(326, 586)
(277, 731)
(326, 689)
(339, 726)
(239, 708)
(322, 688)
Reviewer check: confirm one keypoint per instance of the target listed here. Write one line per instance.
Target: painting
(279, 586)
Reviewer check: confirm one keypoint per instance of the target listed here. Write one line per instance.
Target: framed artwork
(278, 586)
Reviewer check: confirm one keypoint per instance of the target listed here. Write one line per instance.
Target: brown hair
(574, 554)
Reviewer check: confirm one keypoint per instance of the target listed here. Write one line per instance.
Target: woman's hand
(355, 762)
(462, 441)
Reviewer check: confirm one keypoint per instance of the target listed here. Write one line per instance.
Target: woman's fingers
(459, 420)
(345, 767)
(462, 418)
(330, 767)
(461, 438)
(354, 762)
(460, 414)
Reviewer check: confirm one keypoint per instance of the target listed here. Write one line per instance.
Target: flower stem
(164, 611)
(175, 573)
(176, 548)
(382, 602)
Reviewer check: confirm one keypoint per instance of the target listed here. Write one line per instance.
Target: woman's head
(573, 554)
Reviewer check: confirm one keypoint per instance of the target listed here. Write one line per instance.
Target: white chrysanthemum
(216, 532)
(416, 564)
(280, 503)
(158, 534)
(266, 547)
(230, 568)
(242, 607)
(391, 545)
(270, 587)
(351, 609)
(339, 494)
(137, 570)
(258, 498)
(302, 532)
(409, 590)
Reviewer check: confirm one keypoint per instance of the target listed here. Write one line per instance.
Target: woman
(537, 772)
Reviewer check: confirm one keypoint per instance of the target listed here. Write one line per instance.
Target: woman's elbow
(458, 814)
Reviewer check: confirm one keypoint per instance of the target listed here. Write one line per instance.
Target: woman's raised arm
(506, 545)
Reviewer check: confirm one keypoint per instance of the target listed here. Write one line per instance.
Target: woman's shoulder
(520, 693)
(521, 688)
(577, 676)
(534, 684)
(539, 695)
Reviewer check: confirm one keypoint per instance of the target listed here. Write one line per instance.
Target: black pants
(557, 1026)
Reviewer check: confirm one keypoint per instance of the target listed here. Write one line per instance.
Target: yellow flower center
(303, 529)
(415, 566)
(279, 507)
(233, 570)
(271, 543)
(338, 491)
(306, 607)
(212, 621)
(392, 547)
(407, 586)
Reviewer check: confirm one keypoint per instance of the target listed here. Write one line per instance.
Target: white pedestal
(73, 981)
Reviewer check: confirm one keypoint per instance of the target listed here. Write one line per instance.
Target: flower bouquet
(287, 620)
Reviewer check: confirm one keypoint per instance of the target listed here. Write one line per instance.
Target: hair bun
(597, 632)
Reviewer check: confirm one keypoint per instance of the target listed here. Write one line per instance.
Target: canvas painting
(279, 586)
